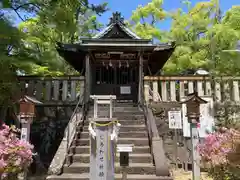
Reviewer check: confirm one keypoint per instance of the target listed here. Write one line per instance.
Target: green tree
(200, 34)
(54, 21)
(31, 47)
(12, 58)
(145, 19)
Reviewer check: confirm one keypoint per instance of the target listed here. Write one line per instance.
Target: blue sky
(127, 6)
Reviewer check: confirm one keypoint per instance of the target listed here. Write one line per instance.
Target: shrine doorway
(120, 79)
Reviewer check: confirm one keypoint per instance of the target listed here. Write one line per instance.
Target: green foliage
(152, 12)
(201, 35)
(9, 63)
(30, 48)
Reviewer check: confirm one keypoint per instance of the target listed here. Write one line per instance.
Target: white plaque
(206, 118)
(24, 133)
(124, 149)
(175, 119)
(125, 90)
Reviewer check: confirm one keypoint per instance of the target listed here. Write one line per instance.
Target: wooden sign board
(175, 119)
(206, 118)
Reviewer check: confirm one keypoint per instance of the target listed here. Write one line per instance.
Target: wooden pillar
(140, 83)
(87, 79)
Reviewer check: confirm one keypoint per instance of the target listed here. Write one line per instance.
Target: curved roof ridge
(109, 28)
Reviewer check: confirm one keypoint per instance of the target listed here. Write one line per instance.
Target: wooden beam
(187, 78)
(44, 78)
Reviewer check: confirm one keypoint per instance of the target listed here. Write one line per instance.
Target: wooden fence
(53, 90)
(172, 88)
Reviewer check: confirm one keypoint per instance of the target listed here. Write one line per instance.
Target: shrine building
(115, 60)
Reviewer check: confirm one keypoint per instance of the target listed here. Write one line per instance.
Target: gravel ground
(183, 175)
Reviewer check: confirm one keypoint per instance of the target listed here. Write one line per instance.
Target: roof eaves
(103, 32)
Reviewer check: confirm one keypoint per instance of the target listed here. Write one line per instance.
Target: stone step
(117, 109)
(123, 116)
(120, 115)
(136, 134)
(134, 168)
(133, 158)
(129, 140)
(136, 149)
(126, 122)
(85, 176)
(126, 128)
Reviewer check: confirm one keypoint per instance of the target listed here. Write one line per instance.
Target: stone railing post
(146, 91)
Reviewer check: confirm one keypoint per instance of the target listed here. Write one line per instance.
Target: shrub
(220, 151)
(15, 154)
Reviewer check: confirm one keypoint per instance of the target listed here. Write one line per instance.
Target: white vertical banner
(102, 153)
(206, 118)
(175, 119)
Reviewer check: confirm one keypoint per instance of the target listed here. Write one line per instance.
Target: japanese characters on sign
(175, 119)
(101, 161)
(101, 156)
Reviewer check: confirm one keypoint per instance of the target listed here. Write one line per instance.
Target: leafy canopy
(201, 34)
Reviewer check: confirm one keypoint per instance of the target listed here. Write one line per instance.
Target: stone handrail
(156, 144)
(69, 133)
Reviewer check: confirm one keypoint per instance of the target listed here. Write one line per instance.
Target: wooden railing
(172, 88)
(53, 90)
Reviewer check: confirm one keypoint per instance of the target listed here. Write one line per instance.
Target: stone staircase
(133, 131)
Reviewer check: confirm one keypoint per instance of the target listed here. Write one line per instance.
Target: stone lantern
(193, 102)
(27, 109)
(26, 114)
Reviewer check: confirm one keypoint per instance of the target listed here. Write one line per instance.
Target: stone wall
(47, 132)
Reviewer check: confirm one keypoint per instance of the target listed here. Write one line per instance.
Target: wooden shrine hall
(115, 60)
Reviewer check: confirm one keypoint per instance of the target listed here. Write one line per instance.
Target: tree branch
(26, 4)
(18, 14)
(153, 20)
(15, 9)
